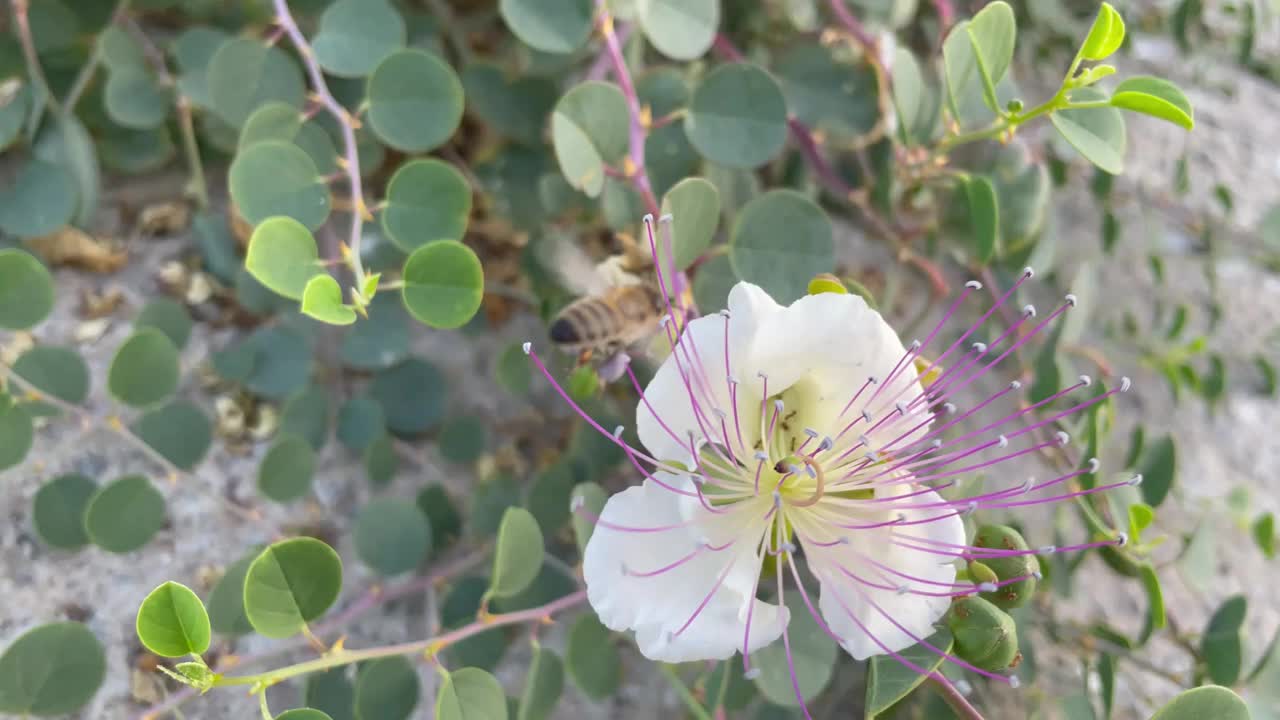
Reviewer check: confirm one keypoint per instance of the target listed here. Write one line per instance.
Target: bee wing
(572, 266)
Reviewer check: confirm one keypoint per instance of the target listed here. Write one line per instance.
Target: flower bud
(1023, 567)
(985, 635)
(827, 283)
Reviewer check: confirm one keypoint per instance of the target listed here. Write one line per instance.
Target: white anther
(731, 380)
(778, 405)
(777, 499)
(1071, 299)
(719, 413)
(1094, 464)
(724, 313)
(826, 444)
(698, 480)
(794, 469)
(937, 443)
(752, 674)
(810, 471)
(1029, 310)
(811, 433)
(973, 285)
(950, 408)
(666, 218)
(902, 517)
(761, 374)
(1002, 441)
(761, 456)
(866, 441)
(842, 540)
(987, 587)
(1136, 480)
(1063, 438)
(915, 345)
(624, 569)
(1028, 272)
(1122, 539)
(1037, 575)
(866, 415)
(1014, 682)
(1047, 550)
(872, 455)
(617, 432)
(873, 379)
(664, 321)
(1026, 485)
(576, 503)
(704, 543)
(963, 687)
(970, 508)
(1015, 385)
(647, 219)
(903, 589)
(1086, 380)
(1125, 384)
(527, 348)
(980, 348)
(787, 547)
(901, 406)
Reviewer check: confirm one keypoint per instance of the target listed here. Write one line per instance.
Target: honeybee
(620, 307)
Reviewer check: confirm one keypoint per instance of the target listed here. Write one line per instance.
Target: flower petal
(654, 582)
(914, 585)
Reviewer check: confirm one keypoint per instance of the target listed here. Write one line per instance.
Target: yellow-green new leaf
(1155, 97)
(282, 255)
(1105, 36)
(172, 622)
(322, 300)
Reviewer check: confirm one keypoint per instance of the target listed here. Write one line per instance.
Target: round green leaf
(888, 680)
(119, 50)
(306, 415)
(193, 50)
(1221, 644)
(680, 29)
(780, 240)
(813, 653)
(13, 116)
(274, 177)
(59, 372)
(549, 496)
(134, 99)
(360, 422)
(552, 26)
(41, 199)
(512, 370)
(1106, 35)
(169, 317)
(179, 431)
(427, 200)
(1209, 701)
(322, 300)
(386, 689)
(515, 106)
(542, 686)
(16, 432)
(244, 73)
(51, 670)
(281, 121)
(290, 584)
(355, 35)
(380, 460)
(144, 371)
(518, 554)
(442, 516)
(303, 714)
(67, 144)
(591, 497)
(462, 439)
(58, 510)
(26, 290)
(1155, 97)
(443, 284)
(286, 470)
(836, 97)
(588, 129)
(415, 101)
(471, 694)
(331, 692)
(124, 515)
(738, 117)
(592, 658)
(226, 600)
(281, 362)
(172, 622)
(694, 207)
(283, 256)
(380, 340)
(984, 217)
(1096, 133)
(412, 395)
(392, 535)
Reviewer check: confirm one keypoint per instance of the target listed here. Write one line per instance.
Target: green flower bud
(1025, 567)
(984, 634)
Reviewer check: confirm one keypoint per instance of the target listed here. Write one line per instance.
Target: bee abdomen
(584, 323)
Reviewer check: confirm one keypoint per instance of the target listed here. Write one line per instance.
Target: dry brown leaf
(95, 303)
(21, 342)
(164, 218)
(91, 331)
(74, 247)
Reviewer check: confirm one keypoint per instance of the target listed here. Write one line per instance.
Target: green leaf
(1221, 643)
(286, 469)
(134, 99)
(542, 686)
(984, 217)
(1155, 97)
(1096, 133)
(290, 584)
(273, 177)
(888, 680)
(548, 497)
(592, 658)
(738, 117)
(67, 144)
(243, 73)
(281, 362)
(26, 290)
(679, 29)
(829, 94)
(331, 692)
(123, 515)
(355, 35)
(392, 535)
(58, 511)
(412, 395)
(813, 653)
(1105, 36)
(16, 432)
(589, 497)
(172, 622)
(179, 432)
(1156, 618)
(386, 689)
(144, 370)
(518, 553)
(916, 101)
(462, 439)
(427, 200)
(41, 199)
(193, 50)
(443, 284)
(470, 694)
(552, 26)
(977, 53)
(589, 129)
(415, 101)
(56, 371)
(461, 606)
(169, 317)
(1209, 701)
(1264, 534)
(306, 415)
(51, 670)
(694, 207)
(226, 600)
(322, 300)
(360, 422)
(779, 241)
(284, 122)
(303, 714)
(512, 370)
(282, 255)
(513, 105)
(380, 340)
(1159, 469)
(1140, 518)
(13, 116)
